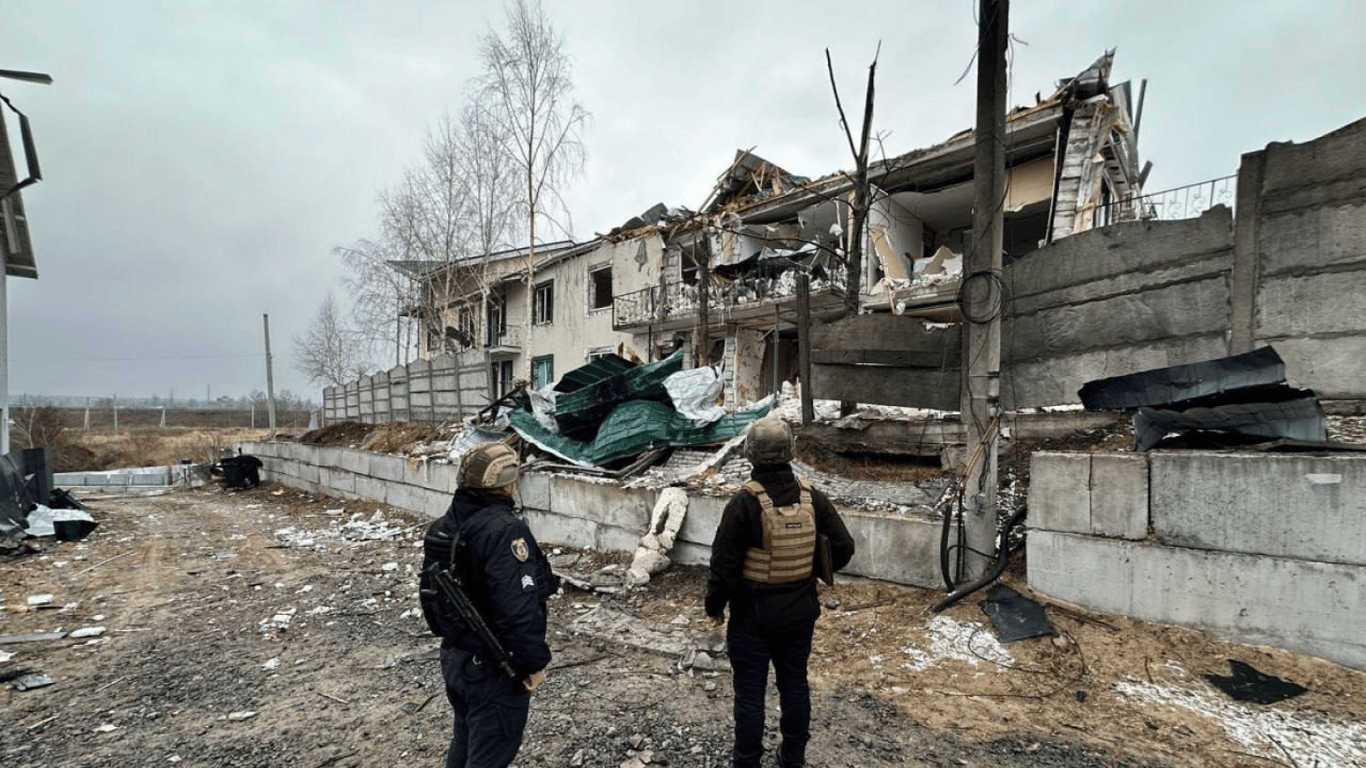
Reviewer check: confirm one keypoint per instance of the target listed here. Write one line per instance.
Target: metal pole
(270, 381)
(777, 380)
(804, 345)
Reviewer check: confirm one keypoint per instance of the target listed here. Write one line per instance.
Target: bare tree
(862, 194)
(527, 92)
(382, 298)
(328, 352)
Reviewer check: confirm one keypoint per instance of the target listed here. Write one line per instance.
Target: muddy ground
(270, 627)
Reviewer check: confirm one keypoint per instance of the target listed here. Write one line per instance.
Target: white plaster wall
(745, 358)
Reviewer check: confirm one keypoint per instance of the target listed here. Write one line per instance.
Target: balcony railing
(678, 302)
(504, 337)
(1185, 202)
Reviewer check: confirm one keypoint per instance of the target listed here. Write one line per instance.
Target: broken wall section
(1115, 300)
(1302, 250)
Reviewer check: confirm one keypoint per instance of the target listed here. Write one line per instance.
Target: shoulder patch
(520, 550)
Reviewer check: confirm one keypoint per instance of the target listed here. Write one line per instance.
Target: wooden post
(804, 345)
(982, 297)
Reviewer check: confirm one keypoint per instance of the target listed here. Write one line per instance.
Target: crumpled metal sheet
(1188, 384)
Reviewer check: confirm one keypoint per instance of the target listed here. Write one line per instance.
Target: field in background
(200, 435)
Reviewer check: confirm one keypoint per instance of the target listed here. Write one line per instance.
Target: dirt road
(274, 628)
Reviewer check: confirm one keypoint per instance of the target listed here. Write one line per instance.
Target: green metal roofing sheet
(632, 428)
(590, 405)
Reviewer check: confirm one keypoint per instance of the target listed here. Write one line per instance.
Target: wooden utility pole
(982, 297)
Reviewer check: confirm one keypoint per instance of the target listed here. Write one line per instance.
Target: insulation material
(694, 393)
(652, 555)
(1029, 183)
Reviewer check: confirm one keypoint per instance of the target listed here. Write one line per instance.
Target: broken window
(502, 377)
(543, 309)
(542, 371)
(497, 324)
(600, 288)
(466, 325)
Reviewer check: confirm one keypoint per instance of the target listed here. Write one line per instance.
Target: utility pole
(270, 383)
(982, 297)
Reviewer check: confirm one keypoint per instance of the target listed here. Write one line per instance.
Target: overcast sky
(201, 160)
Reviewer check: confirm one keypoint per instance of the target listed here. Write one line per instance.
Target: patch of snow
(970, 642)
(1307, 738)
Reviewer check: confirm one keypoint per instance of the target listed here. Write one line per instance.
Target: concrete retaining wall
(1305, 238)
(585, 512)
(1254, 548)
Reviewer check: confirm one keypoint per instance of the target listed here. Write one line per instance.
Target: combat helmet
(492, 465)
(769, 441)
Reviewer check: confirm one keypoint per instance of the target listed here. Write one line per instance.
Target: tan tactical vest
(789, 539)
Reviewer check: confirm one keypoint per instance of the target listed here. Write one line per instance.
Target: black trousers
(752, 648)
(490, 712)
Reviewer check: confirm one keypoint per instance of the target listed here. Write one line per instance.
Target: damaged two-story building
(722, 283)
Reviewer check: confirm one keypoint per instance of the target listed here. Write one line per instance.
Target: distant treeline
(284, 401)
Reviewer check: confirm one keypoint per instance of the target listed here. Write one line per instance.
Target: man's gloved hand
(716, 623)
(534, 680)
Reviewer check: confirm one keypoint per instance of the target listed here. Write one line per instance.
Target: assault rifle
(453, 589)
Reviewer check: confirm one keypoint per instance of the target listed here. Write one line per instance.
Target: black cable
(1002, 557)
(998, 296)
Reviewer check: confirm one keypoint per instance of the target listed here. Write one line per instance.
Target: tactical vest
(789, 539)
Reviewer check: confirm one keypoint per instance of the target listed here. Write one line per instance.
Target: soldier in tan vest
(764, 565)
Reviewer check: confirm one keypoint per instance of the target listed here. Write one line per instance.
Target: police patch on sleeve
(520, 550)
(528, 582)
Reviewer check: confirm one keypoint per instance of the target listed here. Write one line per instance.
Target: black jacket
(506, 576)
(775, 605)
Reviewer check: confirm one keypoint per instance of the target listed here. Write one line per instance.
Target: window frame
(543, 309)
(536, 363)
(594, 291)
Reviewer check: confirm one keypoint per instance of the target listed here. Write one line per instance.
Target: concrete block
(328, 456)
(441, 477)
(894, 548)
(534, 490)
(702, 520)
(1328, 235)
(1045, 379)
(1085, 570)
(608, 504)
(393, 469)
(1101, 253)
(686, 553)
(1060, 492)
(370, 488)
(1333, 367)
(308, 473)
(1303, 606)
(339, 481)
(551, 529)
(1152, 315)
(1297, 506)
(355, 460)
(1119, 495)
(1313, 305)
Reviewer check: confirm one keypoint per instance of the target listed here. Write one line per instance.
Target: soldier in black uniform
(508, 581)
(763, 567)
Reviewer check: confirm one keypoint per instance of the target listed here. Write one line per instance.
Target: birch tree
(327, 352)
(381, 297)
(526, 91)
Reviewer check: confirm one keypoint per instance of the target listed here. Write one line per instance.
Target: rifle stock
(454, 591)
